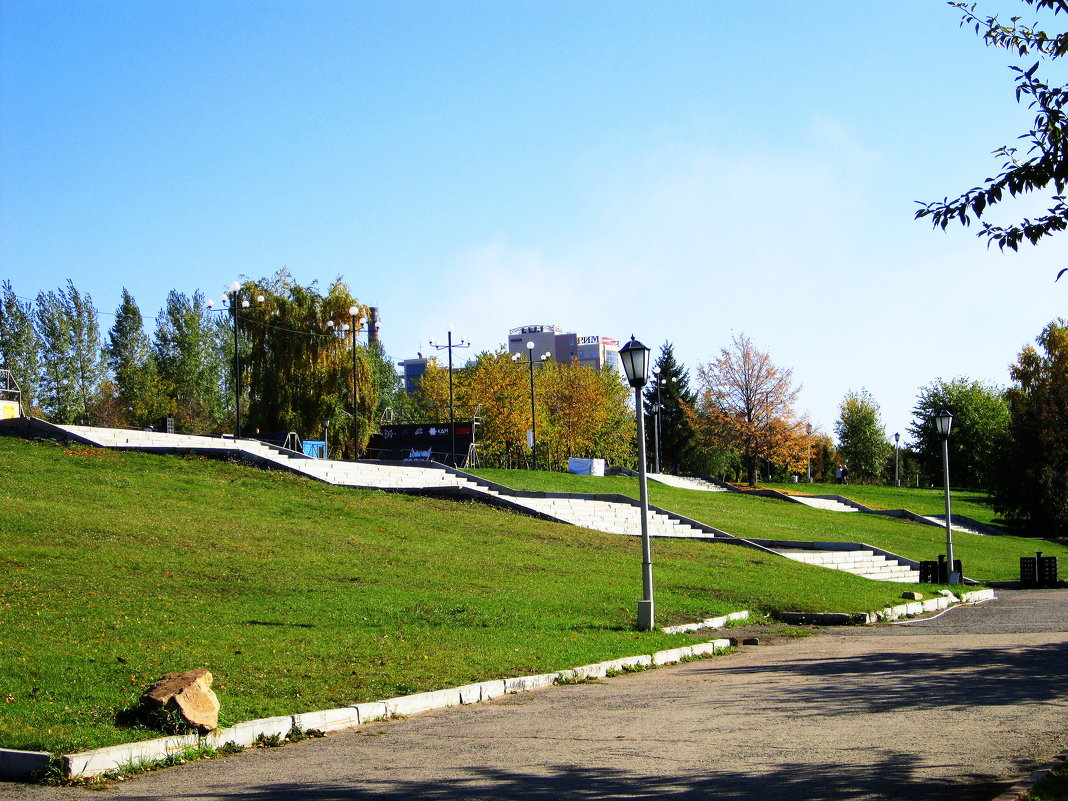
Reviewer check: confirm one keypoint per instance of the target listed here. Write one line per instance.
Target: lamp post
(355, 418)
(897, 475)
(233, 297)
(635, 358)
(533, 417)
(656, 424)
(943, 423)
(463, 343)
(809, 450)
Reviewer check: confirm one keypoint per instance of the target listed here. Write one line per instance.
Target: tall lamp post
(944, 422)
(656, 424)
(897, 451)
(463, 343)
(533, 418)
(635, 358)
(355, 418)
(233, 297)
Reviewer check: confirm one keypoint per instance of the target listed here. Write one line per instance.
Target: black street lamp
(355, 418)
(463, 343)
(635, 358)
(233, 297)
(943, 423)
(533, 418)
(656, 424)
(897, 451)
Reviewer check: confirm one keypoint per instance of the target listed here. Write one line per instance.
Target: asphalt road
(952, 709)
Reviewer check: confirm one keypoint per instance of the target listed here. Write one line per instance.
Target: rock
(912, 596)
(190, 693)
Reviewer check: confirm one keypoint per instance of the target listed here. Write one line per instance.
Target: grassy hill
(297, 595)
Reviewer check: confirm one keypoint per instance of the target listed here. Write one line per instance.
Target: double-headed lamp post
(233, 297)
(635, 358)
(353, 310)
(897, 451)
(463, 343)
(943, 423)
(656, 424)
(533, 418)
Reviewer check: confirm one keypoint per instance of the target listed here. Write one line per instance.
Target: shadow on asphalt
(888, 778)
(971, 677)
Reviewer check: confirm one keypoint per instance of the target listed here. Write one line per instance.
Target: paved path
(949, 710)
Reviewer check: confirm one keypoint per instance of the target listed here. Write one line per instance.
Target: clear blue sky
(675, 170)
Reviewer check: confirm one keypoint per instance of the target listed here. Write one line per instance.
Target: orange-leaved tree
(746, 403)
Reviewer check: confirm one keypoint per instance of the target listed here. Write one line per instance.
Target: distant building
(591, 351)
(412, 370)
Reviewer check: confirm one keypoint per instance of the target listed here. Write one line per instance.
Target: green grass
(297, 595)
(1052, 788)
(984, 558)
(923, 501)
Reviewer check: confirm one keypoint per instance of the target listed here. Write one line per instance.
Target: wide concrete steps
(861, 562)
(685, 482)
(827, 504)
(940, 520)
(613, 518)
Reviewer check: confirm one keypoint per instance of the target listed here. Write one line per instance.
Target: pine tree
(190, 361)
(671, 384)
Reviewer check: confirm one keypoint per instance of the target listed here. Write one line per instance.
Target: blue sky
(681, 171)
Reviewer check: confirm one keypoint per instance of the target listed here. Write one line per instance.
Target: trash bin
(1038, 571)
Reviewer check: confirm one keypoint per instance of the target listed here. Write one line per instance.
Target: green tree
(20, 347)
(861, 436)
(1044, 165)
(137, 388)
(69, 331)
(1031, 488)
(678, 446)
(980, 422)
(190, 359)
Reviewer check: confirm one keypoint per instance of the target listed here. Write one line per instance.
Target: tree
(1031, 488)
(1045, 164)
(20, 347)
(861, 436)
(746, 404)
(69, 331)
(137, 391)
(678, 448)
(586, 413)
(980, 423)
(501, 387)
(188, 346)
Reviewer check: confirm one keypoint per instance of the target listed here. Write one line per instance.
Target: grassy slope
(991, 558)
(297, 595)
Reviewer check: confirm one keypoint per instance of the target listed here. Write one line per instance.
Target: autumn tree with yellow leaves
(746, 403)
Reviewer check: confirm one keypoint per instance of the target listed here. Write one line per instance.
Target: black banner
(422, 441)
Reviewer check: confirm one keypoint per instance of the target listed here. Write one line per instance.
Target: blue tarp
(314, 448)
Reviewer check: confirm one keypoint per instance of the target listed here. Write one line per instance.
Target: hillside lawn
(297, 595)
(984, 558)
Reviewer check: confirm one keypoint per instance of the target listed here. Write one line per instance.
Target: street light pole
(463, 343)
(944, 422)
(897, 476)
(656, 424)
(635, 358)
(355, 418)
(235, 288)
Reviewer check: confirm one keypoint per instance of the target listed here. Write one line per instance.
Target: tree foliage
(190, 356)
(72, 356)
(1031, 488)
(300, 357)
(678, 445)
(138, 392)
(980, 423)
(1044, 164)
(745, 403)
(862, 442)
(20, 347)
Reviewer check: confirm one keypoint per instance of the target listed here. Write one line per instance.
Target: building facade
(591, 351)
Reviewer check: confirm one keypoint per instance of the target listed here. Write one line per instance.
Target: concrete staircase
(685, 482)
(828, 504)
(860, 562)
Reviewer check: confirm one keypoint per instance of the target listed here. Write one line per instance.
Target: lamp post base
(645, 615)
